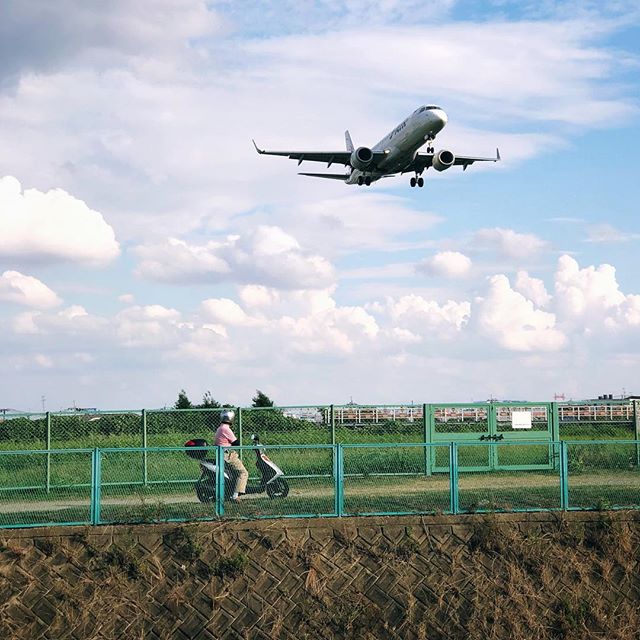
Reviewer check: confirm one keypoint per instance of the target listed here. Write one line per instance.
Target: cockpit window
(427, 108)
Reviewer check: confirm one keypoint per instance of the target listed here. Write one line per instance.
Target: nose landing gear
(430, 148)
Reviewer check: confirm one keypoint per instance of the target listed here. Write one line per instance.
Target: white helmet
(227, 416)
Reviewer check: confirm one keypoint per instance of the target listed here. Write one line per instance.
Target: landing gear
(413, 182)
(364, 180)
(360, 181)
(430, 148)
(367, 181)
(417, 181)
(421, 181)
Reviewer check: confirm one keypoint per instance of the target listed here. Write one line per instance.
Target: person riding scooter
(226, 438)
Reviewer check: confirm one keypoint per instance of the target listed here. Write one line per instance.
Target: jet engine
(443, 160)
(362, 158)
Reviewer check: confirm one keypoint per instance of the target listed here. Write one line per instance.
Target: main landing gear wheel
(413, 182)
(421, 182)
(360, 181)
(367, 181)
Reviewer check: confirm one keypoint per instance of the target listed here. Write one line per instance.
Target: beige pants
(232, 459)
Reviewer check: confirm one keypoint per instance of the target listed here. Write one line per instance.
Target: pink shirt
(224, 436)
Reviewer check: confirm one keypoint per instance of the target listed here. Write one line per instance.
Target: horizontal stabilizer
(331, 176)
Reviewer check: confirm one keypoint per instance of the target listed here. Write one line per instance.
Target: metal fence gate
(474, 426)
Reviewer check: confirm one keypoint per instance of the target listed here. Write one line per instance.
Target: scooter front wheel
(279, 488)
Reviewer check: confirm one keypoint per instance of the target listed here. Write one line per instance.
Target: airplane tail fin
(348, 141)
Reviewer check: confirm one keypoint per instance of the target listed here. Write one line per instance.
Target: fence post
(555, 431)
(492, 424)
(426, 421)
(555, 421)
(239, 423)
(636, 422)
(48, 447)
(332, 423)
(96, 479)
(338, 463)
(145, 472)
(453, 477)
(220, 481)
(564, 476)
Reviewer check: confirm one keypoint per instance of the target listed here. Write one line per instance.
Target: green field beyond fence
(108, 486)
(130, 466)
(329, 424)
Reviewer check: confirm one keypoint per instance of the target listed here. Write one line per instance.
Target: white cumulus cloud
(52, 227)
(148, 326)
(424, 317)
(449, 264)
(266, 255)
(590, 297)
(26, 290)
(532, 288)
(512, 320)
(224, 311)
(508, 242)
(590, 290)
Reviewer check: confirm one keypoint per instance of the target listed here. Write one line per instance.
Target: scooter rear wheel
(279, 488)
(205, 491)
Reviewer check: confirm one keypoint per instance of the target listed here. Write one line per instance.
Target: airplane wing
(424, 160)
(330, 157)
(330, 176)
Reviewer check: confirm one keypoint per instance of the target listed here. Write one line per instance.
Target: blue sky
(145, 247)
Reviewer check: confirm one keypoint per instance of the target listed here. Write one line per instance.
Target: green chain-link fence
(329, 424)
(99, 486)
(602, 420)
(603, 475)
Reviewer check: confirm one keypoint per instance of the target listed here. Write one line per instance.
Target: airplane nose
(442, 115)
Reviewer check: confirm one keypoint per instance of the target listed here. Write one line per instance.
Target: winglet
(498, 154)
(348, 141)
(256, 146)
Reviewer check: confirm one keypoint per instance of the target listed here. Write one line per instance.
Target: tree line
(208, 402)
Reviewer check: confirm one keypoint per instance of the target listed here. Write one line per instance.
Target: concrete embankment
(562, 575)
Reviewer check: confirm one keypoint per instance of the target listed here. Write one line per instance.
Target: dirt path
(374, 487)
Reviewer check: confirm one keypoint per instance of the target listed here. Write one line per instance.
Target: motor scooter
(271, 481)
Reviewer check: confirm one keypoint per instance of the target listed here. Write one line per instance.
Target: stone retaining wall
(509, 576)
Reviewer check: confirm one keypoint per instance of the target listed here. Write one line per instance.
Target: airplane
(396, 153)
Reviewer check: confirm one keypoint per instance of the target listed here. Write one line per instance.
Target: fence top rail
(588, 403)
(444, 443)
(570, 442)
(212, 447)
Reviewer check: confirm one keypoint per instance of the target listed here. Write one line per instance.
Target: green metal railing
(107, 485)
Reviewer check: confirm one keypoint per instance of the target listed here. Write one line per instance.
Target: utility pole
(44, 400)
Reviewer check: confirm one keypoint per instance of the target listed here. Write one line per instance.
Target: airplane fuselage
(401, 143)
